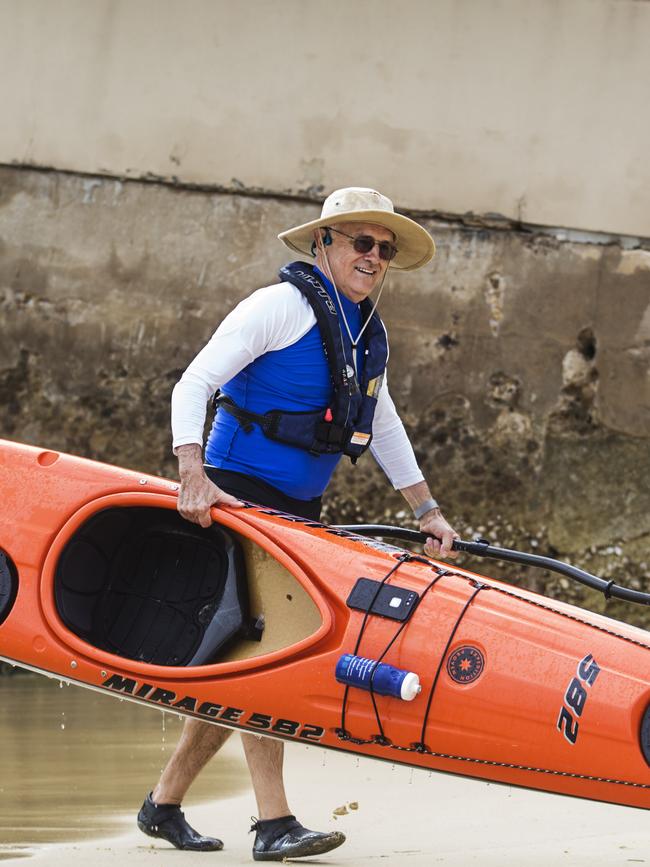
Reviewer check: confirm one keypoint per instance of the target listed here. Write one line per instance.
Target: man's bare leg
(160, 814)
(265, 758)
(198, 743)
(279, 835)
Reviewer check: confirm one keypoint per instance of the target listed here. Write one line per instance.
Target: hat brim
(415, 246)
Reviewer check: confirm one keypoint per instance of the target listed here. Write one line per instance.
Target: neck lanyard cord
(345, 319)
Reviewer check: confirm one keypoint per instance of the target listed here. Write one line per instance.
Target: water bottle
(388, 680)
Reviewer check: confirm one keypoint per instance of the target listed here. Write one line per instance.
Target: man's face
(355, 274)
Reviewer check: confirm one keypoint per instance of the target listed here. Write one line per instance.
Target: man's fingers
(441, 547)
(227, 500)
(196, 516)
(447, 541)
(432, 547)
(204, 519)
(198, 495)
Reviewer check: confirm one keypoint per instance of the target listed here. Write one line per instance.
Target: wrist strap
(425, 507)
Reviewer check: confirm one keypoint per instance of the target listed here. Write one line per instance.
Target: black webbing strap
(267, 421)
(323, 313)
(330, 433)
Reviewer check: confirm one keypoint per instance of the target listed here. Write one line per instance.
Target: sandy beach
(401, 817)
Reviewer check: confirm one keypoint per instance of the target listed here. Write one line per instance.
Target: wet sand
(403, 817)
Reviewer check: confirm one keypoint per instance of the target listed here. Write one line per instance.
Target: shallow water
(76, 764)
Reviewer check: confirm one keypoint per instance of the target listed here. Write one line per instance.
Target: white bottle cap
(410, 687)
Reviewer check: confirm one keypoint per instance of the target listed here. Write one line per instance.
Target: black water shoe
(168, 822)
(277, 839)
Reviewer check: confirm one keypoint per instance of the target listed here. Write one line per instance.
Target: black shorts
(256, 491)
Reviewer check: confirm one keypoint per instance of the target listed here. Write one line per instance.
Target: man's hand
(198, 493)
(441, 535)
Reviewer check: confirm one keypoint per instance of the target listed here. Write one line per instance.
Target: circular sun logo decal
(465, 664)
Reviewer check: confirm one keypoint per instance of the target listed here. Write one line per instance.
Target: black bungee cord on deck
(420, 746)
(342, 732)
(381, 737)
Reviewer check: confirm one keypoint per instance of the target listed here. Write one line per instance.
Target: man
(300, 371)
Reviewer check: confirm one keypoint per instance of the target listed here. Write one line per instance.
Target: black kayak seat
(8, 585)
(145, 584)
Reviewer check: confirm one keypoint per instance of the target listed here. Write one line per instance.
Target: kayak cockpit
(144, 584)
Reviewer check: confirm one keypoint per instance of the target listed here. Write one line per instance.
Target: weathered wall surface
(533, 109)
(520, 363)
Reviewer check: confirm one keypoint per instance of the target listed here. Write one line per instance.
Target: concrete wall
(533, 109)
(519, 362)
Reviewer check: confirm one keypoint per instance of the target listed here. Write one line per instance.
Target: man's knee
(206, 734)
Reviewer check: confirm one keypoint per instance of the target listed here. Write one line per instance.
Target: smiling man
(299, 372)
(360, 264)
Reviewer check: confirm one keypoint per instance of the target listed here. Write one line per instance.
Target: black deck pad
(145, 584)
(391, 601)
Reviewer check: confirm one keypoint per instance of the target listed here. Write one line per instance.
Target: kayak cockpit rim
(227, 519)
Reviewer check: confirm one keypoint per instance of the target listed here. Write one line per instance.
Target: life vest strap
(328, 436)
(267, 421)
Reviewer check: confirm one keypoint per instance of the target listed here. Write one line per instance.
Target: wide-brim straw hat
(415, 246)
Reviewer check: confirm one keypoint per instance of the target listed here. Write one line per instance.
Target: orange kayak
(102, 584)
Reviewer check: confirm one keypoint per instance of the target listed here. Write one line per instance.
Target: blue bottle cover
(388, 680)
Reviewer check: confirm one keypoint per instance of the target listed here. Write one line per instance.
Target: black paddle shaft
(481, 548)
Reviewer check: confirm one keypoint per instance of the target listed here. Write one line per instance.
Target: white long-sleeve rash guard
(273, 318)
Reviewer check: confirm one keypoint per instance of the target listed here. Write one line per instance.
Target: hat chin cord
(330, 277)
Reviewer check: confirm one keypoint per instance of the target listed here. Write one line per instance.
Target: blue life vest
(345, 426)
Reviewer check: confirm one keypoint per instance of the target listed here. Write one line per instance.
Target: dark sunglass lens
(363, 243)
(386, 250)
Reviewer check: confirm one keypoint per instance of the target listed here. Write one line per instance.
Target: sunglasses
(365, 243)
